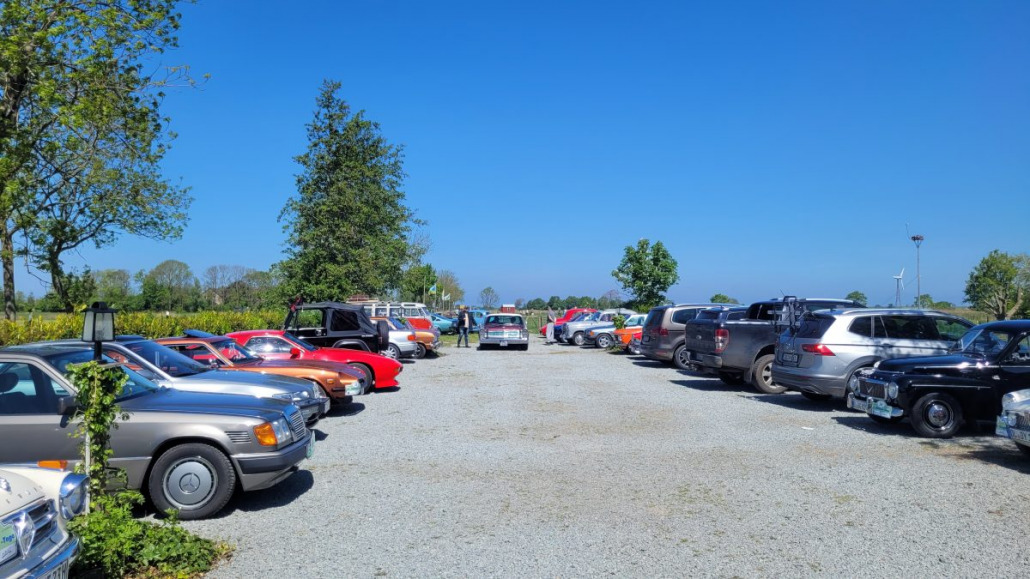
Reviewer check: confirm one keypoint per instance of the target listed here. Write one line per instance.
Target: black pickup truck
(741, 350)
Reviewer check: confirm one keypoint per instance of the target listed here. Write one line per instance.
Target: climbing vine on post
(98, 387)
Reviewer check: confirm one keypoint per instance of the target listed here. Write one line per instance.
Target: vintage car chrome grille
(43, 516)
(238, 436)
(871, 387)
(296, 423)
(1022, 422)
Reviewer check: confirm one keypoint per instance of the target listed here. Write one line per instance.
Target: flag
(446, 297)
(432, 290)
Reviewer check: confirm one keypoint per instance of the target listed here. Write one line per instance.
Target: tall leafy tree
(722, 299)
(417, 281)
(858, 297)
(488, 298)
(647, 271)
(79, 96)
(171, 285)
(536, 304)
(447, 284)
(998, 284)
(348, 227)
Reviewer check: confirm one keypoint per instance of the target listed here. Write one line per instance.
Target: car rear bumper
(797, 380)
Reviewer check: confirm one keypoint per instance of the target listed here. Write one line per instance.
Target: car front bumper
(874, 407)
(58, 563)
(262, 470)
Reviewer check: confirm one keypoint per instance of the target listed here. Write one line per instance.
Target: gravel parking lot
(566, 462)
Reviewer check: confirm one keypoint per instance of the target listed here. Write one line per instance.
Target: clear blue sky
(772, 146)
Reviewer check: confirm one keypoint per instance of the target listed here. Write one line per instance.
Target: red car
(280, 345)
(569, 314)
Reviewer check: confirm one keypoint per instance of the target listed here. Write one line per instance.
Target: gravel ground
(567, 462)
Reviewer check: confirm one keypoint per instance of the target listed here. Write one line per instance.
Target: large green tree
(79, 97)
(998, 284)
(858, 297)
(348, 227)
(722, 299)
(647, 271)
(448, 288)
(416, 283)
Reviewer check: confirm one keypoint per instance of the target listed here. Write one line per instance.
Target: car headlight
(1011, 419)
(1013, 398)
(892, 390)
(273, 433)
(74, 495)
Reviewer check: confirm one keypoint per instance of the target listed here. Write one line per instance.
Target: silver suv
(821, 353)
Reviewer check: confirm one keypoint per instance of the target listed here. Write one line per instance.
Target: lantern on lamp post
(98, 327)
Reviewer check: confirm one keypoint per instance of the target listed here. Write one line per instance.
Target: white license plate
(790, 358)
(311, 445)
(880, 408)
(8, 543)
(59, 573)
(1020, 435)
(504, 343)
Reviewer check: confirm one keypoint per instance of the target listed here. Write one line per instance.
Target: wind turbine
(899, 285)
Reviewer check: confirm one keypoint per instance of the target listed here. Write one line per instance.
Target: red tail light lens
(663, 332)
(722, 339)
(817, 349)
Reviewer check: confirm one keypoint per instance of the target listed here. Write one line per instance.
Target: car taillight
(663, 331)
(817, 349)
(722, 339)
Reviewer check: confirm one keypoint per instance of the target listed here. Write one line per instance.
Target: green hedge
(142, 323)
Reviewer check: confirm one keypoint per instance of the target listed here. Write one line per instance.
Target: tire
(731, 378)
(604, 341)
(392, 351)
(937, 415)
(577, 338)
(195, 479)
(882, 420)
(370, 376)
(681, 358)
(761, 376)
(420, 351)
(383, 334)
(817, 397)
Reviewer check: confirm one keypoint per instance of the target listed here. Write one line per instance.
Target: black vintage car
(337, 325)
(941, 393)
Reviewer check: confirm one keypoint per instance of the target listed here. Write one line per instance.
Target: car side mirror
(66, 404)
(294, 352)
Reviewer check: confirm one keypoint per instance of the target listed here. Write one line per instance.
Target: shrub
(117, 544)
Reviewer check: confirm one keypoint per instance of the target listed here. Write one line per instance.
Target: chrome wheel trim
(190, 482)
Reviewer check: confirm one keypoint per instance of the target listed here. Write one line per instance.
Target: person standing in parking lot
(550, 326)
(464, 324)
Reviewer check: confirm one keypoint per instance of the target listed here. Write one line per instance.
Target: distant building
(508, 309)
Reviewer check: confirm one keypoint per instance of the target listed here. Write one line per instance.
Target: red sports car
(280, 345)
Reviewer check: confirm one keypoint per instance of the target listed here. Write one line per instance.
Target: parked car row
(209, 414)
(937, 370)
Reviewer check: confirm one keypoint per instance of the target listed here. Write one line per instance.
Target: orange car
(340, 382)
(626, 335)
(428, 340)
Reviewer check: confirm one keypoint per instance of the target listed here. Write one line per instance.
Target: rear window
(814, 326)
(763, 311)
(683, 316)
(862, 326)
(654, 317)
(708, 315)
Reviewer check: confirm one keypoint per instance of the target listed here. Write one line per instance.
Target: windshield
(505, 320)
(135, 385)
(306, 345)
(984, 342)
(236, 353)
(635, 320)
(167, 359)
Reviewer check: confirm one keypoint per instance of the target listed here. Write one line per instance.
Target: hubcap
(767, 374)
(190, 482)
(391, 352)
(602, 341)
(938, 414)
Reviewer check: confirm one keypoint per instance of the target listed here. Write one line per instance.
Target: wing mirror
(66, 404)
(294, 352)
